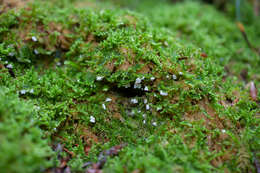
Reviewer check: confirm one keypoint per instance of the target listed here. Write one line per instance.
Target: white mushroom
(9, 66)
(138, 80)
(99, 78)
(23, 91)
(34, 38)
(134, 101)
(152, 78)
(108, 99)
(147, 107)
(154, 123)
(163, 93)
(92, 119)
(104, 106)
(36, 51)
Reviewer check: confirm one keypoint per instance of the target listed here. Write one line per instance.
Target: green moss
(168, 102)
(22, 146)
(205, 27)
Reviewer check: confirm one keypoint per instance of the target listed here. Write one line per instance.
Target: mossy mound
(22, 146)
(203, 26)
(99, 78)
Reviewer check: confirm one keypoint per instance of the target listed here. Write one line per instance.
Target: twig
(242, 30)
(67, 151)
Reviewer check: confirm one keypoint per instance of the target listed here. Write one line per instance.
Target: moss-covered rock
(101, 77)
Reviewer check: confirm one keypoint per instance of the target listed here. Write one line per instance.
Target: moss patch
(100, 78)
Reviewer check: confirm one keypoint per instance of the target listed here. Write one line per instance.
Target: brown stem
(256, 7)
(242, 30)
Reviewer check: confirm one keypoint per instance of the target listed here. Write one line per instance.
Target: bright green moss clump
(100, 78)
(22, 148)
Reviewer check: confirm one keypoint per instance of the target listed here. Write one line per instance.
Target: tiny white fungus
(174, 77)
(58, 63)
(167, 76)
(158, 108)
(108, 99)
(34, 38)
(146, 88)
(147, 107)
(180, 73)
(92, 119)
(163, 93)
(223, 131)
(154, 123)
(134, 101)
(152, 78)
(31, 91)
(9, 66)
(55, 129)
(36, 51)
(99, 78)
(144, 115)
(144, 121)
(138, 80)
(145, 101)
(23, 91)
(104, 106)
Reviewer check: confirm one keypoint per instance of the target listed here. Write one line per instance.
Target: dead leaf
(87, 149)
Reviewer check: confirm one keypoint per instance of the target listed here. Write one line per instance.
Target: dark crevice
(100, 38)
(128, 92)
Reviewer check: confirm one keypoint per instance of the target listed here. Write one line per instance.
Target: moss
(104, 77)
(202, 26)
(22, 146)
